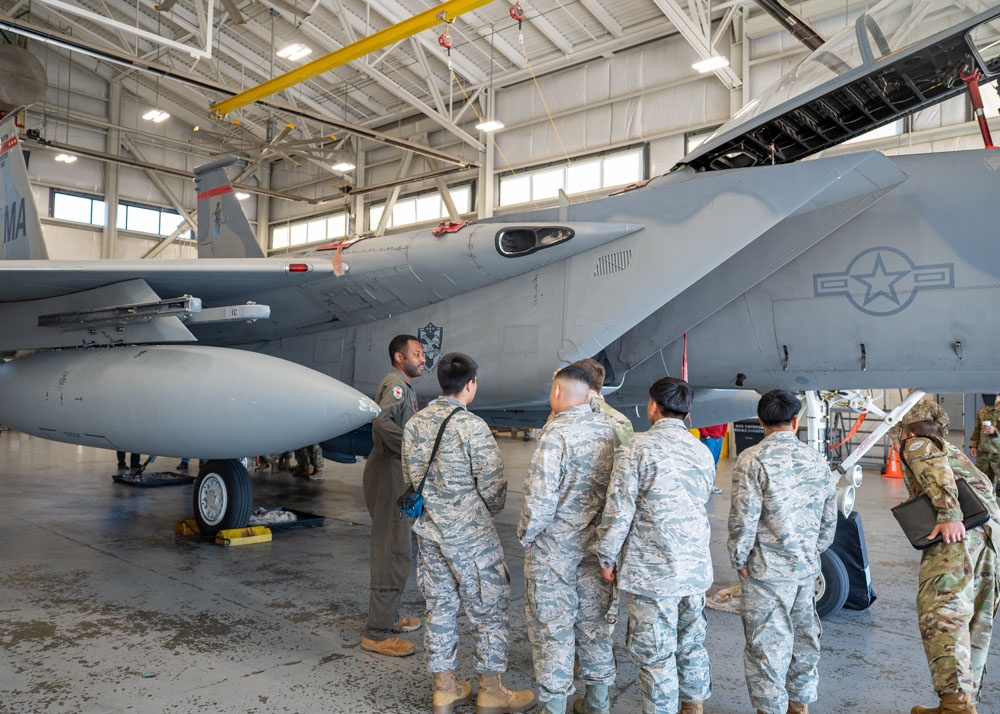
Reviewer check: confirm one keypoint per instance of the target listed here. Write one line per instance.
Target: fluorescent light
(491, 125)
(343, 166)
(294, 52)
(240, 196)
(712, 63)
(156, 115)
(66, 158)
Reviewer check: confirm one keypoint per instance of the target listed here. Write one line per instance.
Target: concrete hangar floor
(103, 609)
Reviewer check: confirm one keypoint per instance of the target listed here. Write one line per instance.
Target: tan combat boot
(392, 647)
(449, 692)
(951, 703)
(798, 708)
(692, 708)
(494, 698)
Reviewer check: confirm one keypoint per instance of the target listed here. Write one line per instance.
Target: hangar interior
(105, 610)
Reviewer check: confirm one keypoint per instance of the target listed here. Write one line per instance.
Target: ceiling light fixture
(240, 196)
(712, 63)
(66, 158)
(343, 166)
(156, 116)
(491, 125)
(294, 52)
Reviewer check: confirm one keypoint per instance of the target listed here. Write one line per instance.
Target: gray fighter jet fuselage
(851, 271)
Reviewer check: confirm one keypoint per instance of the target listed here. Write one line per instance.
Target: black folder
(918, 517)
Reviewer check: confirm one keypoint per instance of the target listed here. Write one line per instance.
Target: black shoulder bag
(412, 501)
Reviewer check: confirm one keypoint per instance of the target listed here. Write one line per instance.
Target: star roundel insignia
(915, 445)
(397, 392)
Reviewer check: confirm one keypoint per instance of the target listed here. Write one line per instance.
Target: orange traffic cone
(892, 468)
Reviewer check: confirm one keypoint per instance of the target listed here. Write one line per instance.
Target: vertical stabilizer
(21, 230)
(223, 228)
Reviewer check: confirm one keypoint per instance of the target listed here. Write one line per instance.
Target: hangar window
(309, 230)
(514, 242)
(421, 208)
(588, 173)
(92, 210)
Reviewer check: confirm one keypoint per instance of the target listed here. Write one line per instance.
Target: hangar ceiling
(233, 45)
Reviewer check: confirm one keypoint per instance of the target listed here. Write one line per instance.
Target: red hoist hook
(517, 13)
(444, 39)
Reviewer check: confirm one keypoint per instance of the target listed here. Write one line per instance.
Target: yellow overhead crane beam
(445, 12)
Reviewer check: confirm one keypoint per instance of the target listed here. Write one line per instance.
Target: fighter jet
(849, 271)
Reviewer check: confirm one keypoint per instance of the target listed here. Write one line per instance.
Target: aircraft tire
(223, 496)
(832, 586)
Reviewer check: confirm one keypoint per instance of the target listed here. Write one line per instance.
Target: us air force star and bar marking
(397, 392)
(883, 281)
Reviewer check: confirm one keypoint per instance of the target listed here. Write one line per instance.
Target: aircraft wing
(47, 303)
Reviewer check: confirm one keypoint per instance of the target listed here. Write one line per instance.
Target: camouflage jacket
(655, 526)
(568, 479)
(623, 426)
(783, 511)
(465, 485)
(932, 469)
(987, 443)
(924, 410)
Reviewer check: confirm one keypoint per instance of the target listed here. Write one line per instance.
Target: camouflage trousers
(312, 455)
(666, 638)
(566, 603)
(956, 604)
(782, 629)
(988, 462)
(476, 579)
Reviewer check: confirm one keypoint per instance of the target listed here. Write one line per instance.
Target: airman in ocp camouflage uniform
(566, 599)
(985, 447)
(924, 410)
(783, 514)
(957, 595)
(459, 558)
(654, 538)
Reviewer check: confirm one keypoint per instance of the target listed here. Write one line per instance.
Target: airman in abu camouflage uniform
(782, 516)
(595, 373)
(459, 557)
(566, 599)
(924, 410)
(958, 590)
(654, 538)
(984, 445)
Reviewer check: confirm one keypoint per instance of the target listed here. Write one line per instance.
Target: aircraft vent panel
(612, 263)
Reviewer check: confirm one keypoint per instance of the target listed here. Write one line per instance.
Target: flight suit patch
(397, 392)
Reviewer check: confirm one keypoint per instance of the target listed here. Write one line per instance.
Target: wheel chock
(243, 536)
(187, 528)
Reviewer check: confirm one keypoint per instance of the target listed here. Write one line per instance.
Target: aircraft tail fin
(223, 228)
(20, 227)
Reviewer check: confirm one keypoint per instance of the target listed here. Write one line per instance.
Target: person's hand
(744, 573)
(951, 532)
(972, 450)
(608, 574)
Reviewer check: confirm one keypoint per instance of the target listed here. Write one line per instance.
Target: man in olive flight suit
(383, 485)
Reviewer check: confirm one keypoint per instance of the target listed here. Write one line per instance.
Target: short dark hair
(673, 397)
(595, 372)
(454, 371)
(778, 407)
(398, 344)
(922, 427)
(575, 372)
